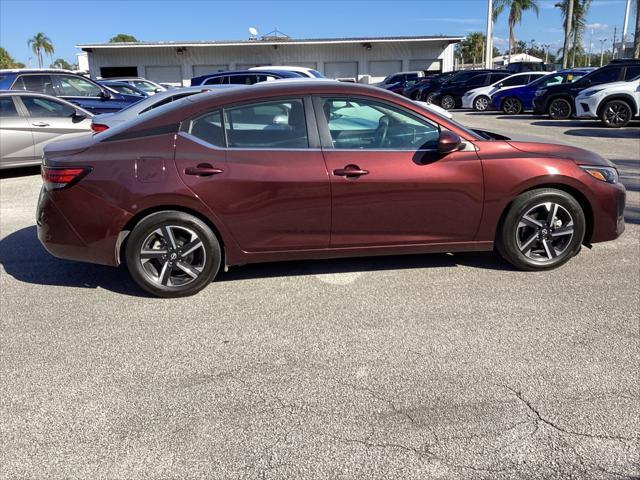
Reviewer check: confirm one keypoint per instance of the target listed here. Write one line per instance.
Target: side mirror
(158, 90)
(448, 142)
(500, 85)
(104, 94)
(78, 116)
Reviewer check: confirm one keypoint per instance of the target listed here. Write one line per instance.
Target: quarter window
(35, 83)
(70, 86)
(208, 128)
(277, 124)
(631, 73)
(43, 107)
(7, 107)
(357, 124)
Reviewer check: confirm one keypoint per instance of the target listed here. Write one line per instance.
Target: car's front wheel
(481, 103)
(616, 114)
(560, 109)
(172, 254)
(448, 102)
(542, 230)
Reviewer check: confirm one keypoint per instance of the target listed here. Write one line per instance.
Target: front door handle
(202, 170)
(350, 171)
(40, 124)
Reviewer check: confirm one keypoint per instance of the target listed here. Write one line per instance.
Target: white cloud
(455, 20)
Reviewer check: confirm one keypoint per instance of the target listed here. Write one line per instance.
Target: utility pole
(567, 35)
(488, 52)
(602, 41)
(546, 53)
(590, 48)
(613, 45)
(636, 38)
(624, 28)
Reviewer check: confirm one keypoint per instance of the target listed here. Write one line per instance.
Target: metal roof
(298, 41)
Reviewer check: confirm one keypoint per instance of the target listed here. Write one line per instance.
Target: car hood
(578, 155)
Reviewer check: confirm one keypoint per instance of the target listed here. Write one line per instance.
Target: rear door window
(208, 128)
(478, 81)
(274, 125)
(515, 81)
(217, 80)
(35, 83)
(7, 108)
(605, 75)
(45, 107)
(632, 72)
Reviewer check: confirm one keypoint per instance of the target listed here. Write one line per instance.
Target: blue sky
(69, 22)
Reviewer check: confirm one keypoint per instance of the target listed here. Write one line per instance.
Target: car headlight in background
(591, 93)
(604, 174)
(541, 92)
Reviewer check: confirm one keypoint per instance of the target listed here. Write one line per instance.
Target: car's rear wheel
(172, 254)
(481, 103)
(616, 114)
(429, 98)
(511, 106)
(542, 230)
(448, 102)
(560, 109)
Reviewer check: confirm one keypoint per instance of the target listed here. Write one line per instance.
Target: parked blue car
(77, 89)
(243, 77)
(517, 100)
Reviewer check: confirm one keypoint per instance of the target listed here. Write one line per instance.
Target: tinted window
(605, 75)
(501, 76)
(514, 81)
(43, 107)
(279, 124)
(554, 80)
(70, 86)
(7, 108)
(394, 79)
(362, 124)
(632, 72)
(208, 127)
(35, 83)
(217, 80)
(478, 81)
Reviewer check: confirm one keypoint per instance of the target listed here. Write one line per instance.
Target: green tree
(471, 48)
(578, 23)
(61, 63)
(123, 37)
(7, 61)
(40, 43)
(516, 9)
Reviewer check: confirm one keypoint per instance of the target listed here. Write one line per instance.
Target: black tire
(528, 247)
(415, 95)
(481, 103)
(560, 109)
(175, 264)
(429, 98)
(616, 114)
(512, 106)
(448, 102)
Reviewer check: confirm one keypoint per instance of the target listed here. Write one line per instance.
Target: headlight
(539, 93)
(592, 92)
(604, 174)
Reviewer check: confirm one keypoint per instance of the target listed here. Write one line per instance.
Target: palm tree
(472, 47)
(516, 9)
(40, 43)
(577, 24)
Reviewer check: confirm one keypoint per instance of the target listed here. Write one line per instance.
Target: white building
(503, 60)
(363, 59)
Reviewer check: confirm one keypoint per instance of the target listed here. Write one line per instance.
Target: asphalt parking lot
(431, 366)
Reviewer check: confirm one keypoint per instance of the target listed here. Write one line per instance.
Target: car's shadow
(20, 172)
(26, 260)
(603, 133)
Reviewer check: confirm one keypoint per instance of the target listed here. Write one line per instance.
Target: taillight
(55, 178)
(99, 127)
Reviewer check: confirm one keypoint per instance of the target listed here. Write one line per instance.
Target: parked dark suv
(458, 77)
(77, 89)
(559, 100)
(243, 77)
(449, 95)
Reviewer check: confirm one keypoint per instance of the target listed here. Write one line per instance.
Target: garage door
(341, 70)
(428, 65)
(172, 74)
(206, 69)
(382, 68)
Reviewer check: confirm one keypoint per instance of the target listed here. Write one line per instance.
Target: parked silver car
(109, 120)
(28, 121)
(147, 86)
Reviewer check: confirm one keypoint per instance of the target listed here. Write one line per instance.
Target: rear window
(167, 100)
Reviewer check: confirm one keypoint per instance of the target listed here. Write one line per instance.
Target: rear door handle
(202, 170)
(40, 124)
(350, 171)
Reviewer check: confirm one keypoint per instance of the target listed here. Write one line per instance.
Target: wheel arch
(574, 192)
(619, 96)
(139, 216)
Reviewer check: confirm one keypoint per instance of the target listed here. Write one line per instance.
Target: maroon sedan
(303, 170)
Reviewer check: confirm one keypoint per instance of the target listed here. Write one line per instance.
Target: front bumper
(608, 203)
(467, 101)
(586, 107)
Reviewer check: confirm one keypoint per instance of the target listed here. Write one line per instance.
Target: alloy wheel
(512, 106)
(560, 109)
(481, 103)
(617, 114)
(429, 98)
(172, 256)
(448, 102)
(544, 232)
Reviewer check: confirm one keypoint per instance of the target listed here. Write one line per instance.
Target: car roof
(28, 93)
(246, 72)
(36, 70)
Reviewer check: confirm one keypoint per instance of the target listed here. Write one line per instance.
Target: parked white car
(147, 86)
(480, 98)
(615, 104)
(307, 72)
(109, 120)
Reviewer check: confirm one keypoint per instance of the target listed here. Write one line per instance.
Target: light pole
(624, 28)
(602, 42)
(488, 52)
(546, 52)
(590, 47)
